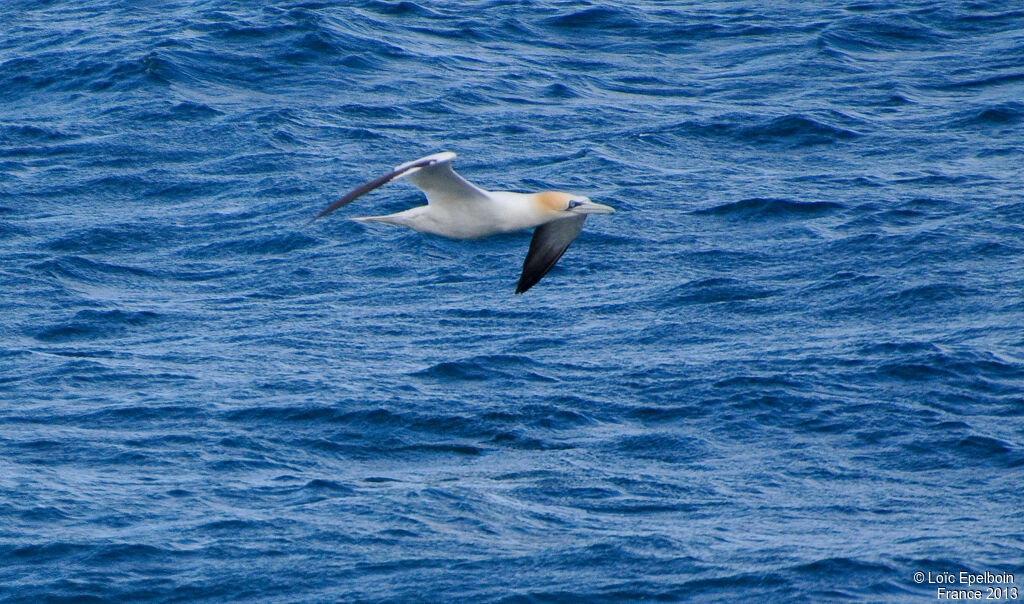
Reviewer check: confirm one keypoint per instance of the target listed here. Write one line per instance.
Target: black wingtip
(524, 284)
(315, 218)
(371, 185)
(322, 213)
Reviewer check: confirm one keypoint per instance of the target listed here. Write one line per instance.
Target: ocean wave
(596, 19)
(759, 208)
(794, 130)
(269, 244)
(90, 324)
(1001, 114)
(709, 291)
(82, 269)
(882, 33)
(487, 367)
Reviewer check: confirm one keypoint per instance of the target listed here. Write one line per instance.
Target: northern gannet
(458, 209)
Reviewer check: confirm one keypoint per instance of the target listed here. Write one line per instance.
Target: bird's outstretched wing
(550, 240)
(432, 174)
(442, 185)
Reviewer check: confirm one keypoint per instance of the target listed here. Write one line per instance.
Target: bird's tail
(388, 219)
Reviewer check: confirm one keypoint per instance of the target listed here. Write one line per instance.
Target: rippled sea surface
(790, 367)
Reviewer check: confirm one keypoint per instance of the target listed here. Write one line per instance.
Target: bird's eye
(574, 203)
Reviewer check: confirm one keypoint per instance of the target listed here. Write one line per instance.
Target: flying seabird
(458, 209)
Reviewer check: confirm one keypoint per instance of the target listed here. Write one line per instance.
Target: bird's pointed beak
(589, 207)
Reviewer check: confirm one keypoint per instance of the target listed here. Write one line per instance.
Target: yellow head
(557, 201)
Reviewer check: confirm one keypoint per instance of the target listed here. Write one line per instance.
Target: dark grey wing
(549, 242)
(373, 184)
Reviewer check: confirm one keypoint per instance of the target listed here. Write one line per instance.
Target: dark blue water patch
(710, 291)
(43, 552)
(38, 514)
(311, 491)
(116, 414)
(11, 230)
(560, 415)
(299, 27)
(667, 448)
(844, 280)
(559, 92)
(520, 441)
(651, 87)
(793, 130)
(891, 33)
(106, 239)
(974, 82)
(51, 454)
(983, 17)
(797, 130)
(488, 367)
(186, 111)
(85, 270)
(956, 449)
(931, 294)
(978, 373)
(151, 69)
(899, 217)
(758, 382)
(1002, 114)
(89, 324)
(990, 450)
(279, 117)
(441, 448)
(18, 135)
(594, 17)
(769, 585)
(264, 245)
(858, 576)
(760, 208)
(404, 8)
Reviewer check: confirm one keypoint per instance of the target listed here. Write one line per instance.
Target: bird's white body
(458, 209)
(507, 212)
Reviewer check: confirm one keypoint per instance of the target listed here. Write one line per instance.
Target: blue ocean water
(789, 368)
